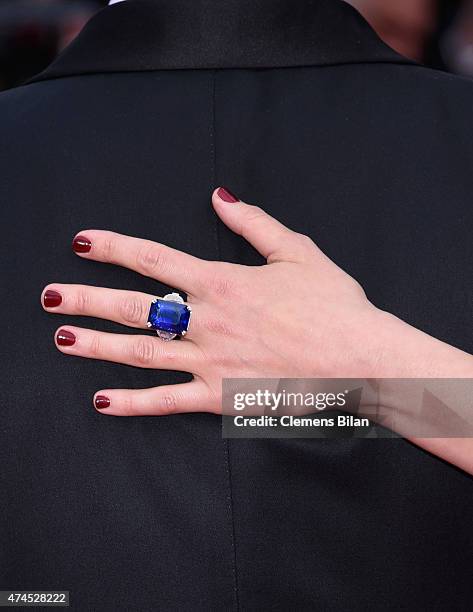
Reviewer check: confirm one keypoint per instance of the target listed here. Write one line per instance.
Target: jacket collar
(142, 35)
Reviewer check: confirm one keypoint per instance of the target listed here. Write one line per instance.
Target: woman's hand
(298, 316)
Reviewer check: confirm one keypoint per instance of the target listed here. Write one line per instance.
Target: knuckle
(130, 310)
(304, 241)
(254, 213)
(150, 259)
(357, 287)
(302, 249)
(254, 210)
(167, 403)
(108, 249)
(128, 407)
(82, 301)
(222, 285)
(143, 351)
(95, 346)
(168, 357)
(219, 327)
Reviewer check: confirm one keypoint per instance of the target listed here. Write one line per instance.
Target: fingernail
(102, 402)
(81, 244)
(226, 195)
(65, 338)
(52, 299)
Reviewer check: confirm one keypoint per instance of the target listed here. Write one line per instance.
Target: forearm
(406, 352)
(409, 353)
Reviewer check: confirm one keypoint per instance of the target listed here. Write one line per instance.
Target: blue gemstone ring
(169, 316)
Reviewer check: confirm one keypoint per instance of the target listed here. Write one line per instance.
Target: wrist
(406, 352)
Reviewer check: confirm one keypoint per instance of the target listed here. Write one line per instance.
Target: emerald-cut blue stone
(169, 316)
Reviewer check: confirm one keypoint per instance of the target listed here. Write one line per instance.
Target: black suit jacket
(297, 106)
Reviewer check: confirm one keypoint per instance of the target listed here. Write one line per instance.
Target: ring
(169, 316)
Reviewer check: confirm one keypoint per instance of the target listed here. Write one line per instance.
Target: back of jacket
(339, 138)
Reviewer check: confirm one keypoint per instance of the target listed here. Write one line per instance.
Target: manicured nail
(65, 338)
(226, 195)
(81, 244)
(102, 402)
(52, 299)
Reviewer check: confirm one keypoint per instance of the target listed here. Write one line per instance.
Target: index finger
(158, 261)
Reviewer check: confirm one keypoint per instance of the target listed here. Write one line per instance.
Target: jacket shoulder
(430, 80)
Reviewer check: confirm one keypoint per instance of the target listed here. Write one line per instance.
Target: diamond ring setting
(169, 316)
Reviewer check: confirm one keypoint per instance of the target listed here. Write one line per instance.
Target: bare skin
(349, 337)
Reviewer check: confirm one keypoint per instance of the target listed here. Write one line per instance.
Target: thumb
(268, 236)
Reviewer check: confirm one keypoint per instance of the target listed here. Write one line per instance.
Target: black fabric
(372, 159)
(233, 34)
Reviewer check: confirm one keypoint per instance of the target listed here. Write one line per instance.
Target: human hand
(298, 316)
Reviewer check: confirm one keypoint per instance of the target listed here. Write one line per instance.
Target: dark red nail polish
(65, 338)
(226, 195)
(81, 244)
(101, 402)
(52, 299)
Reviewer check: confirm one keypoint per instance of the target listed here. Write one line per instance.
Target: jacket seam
(226, 447)
(44, 76)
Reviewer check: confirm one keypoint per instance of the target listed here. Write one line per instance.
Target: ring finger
(129, 308)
